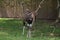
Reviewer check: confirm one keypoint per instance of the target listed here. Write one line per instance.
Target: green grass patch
(11, 29)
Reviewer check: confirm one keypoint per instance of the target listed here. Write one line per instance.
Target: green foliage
(1, 2)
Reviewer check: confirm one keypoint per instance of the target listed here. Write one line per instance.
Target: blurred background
(11, 23)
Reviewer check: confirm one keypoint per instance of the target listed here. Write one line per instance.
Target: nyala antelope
(29, 18)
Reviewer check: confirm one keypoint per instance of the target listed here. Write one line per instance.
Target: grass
(12, 30)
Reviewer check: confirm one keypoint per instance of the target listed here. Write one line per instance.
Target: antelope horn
(39, 6)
